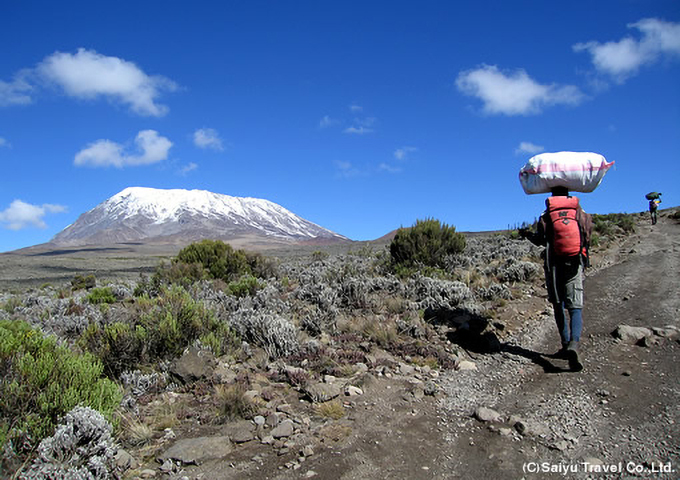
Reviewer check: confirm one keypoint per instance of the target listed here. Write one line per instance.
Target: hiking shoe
(573, 357)
(561, 353)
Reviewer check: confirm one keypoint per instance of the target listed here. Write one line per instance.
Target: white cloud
(530, 148)
(358, 130)
(150, 146)
(190, 167)
(404, 152)
(15, 92)
(327, 121)
(347, 169)
(386, 167)
(362, 126)
(514, 93)
(88, 74)
(4, 143)
(623, 58)
(20, 215)
(208, 138)
(356, 108)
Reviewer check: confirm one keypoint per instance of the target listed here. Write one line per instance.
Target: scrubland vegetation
(85, 354)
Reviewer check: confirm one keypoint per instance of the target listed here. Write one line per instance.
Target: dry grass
(381, 331)
(135, 432)
(232, 402)
(332, 409)
(165, 415)
(335, 432)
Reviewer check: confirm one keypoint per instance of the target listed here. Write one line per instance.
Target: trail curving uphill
(619, 418)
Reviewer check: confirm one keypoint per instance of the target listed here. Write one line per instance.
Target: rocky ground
(515, 413)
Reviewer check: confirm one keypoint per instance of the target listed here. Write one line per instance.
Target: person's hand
(524, 232)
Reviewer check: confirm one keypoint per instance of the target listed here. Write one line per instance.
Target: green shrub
(427, 243)
(41, 381)
(12, 304)
(119, 346)
(218, 259)
(211, 259)
(159, 328)
(176, 273)
(101, 295)
(612, 224)
(261, 266)
(245, 286)
(319, 256)
(80, 282)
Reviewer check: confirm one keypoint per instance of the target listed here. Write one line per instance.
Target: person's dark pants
(565, 291)
(570, 331)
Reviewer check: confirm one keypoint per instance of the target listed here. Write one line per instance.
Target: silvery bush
(81, 448)
(276, 335)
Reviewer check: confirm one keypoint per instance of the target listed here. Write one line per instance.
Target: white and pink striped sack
(577, 171)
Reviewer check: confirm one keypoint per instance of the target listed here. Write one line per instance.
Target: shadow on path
(540, 359)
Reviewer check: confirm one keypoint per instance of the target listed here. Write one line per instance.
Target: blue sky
(359, 116)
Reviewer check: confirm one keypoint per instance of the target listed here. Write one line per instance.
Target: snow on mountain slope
(145, 214)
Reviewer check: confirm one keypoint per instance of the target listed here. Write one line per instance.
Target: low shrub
(11, 304)
(613, 224)
(276, 335)
(80, 282)
(160, 328)
(245, 286)
(101, 295)
(218, 259)
(211, 260)
(427, 243)
(81, 448)
(41, 381)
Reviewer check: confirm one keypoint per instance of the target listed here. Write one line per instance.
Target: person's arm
(538, 237)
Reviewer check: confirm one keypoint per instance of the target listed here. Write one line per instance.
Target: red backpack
(564, 215)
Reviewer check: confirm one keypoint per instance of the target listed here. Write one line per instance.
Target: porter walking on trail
(654, 201)
(565, 229)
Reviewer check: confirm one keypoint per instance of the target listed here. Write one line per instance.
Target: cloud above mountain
(20, 215)
(150, 147)
(89, 75)
(208, 138)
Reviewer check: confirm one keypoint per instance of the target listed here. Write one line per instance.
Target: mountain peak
(178, 215)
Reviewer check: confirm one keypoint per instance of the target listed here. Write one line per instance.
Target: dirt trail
(622, 411)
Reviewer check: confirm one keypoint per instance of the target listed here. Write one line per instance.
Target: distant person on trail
(653, 207)
(565, 229)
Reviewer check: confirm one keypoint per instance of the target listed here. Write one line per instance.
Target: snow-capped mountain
(153, 215)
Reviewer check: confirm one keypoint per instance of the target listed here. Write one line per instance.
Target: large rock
(323, 392)
(284, 430)
(194, 365)
(669, 331)
(484, 414)
(632, 335)
(194, 451)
